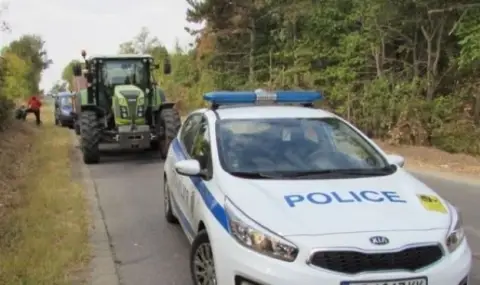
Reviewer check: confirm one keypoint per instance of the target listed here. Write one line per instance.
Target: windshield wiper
(253, 175)
(346, 172)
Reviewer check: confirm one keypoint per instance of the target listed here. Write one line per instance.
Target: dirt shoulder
(43, 212)
(432, 159)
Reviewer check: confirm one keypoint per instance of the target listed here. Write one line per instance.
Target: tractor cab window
(119, 72)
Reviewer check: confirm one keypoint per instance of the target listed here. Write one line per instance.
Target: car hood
(329, 206)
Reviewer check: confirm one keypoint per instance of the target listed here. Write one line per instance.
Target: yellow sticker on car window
(432, 203)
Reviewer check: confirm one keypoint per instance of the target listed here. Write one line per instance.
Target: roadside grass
(44, 219)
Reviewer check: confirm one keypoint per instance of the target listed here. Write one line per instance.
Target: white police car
(273, 195)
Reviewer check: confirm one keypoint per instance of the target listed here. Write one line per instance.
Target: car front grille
(353, 262)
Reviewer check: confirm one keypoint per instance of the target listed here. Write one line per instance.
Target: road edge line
(102, 266)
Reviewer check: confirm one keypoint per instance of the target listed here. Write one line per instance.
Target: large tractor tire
(77, 127)
(168, 120)
(90, 135)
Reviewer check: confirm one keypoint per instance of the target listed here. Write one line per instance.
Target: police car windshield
(296, 147)
(128, 71)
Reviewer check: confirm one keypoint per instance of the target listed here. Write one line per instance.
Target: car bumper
(235, 263)
(67, 119)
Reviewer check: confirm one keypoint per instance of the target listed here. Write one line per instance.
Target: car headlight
(257, 238)
(456, 233)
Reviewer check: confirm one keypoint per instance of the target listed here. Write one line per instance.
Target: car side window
(201, 147)
(189, 130)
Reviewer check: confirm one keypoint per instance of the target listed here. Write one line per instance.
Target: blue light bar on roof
(250, 97)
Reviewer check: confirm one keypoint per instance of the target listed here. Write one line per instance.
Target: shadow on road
(111, 156)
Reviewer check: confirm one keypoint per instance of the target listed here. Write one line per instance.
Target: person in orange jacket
(34, 104)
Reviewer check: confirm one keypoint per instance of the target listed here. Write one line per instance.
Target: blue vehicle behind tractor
(63, 110)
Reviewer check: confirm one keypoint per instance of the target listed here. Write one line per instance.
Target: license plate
(407, 281)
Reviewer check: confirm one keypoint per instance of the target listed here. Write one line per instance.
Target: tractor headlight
(257, 238)
(456, 233)
(123, 112)
(140, 111)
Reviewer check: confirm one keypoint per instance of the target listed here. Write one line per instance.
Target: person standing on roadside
(34, 104)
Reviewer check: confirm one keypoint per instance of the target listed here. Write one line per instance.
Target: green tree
(469, 60)
(21, 65)
(15, 77)
(67, 73)
(30, 48)
(143, 43)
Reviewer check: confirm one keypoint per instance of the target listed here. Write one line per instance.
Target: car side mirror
(189, 167)
(396, 159)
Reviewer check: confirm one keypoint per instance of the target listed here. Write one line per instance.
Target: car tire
(167, 204)
(201, 247)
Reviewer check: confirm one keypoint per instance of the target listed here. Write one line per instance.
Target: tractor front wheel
(77, 127)
(168, 120)
(90, 134)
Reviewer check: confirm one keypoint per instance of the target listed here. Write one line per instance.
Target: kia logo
(379, 240)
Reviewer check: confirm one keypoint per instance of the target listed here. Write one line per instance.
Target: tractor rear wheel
(90, 135)
(169, 121)
(77, 128)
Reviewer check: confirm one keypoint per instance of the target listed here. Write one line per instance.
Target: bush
(6, 106)
(13, 83)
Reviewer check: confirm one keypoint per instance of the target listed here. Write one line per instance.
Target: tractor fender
(162, 106)
(99, 111)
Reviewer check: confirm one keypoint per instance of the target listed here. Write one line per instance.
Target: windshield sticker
(311, 134)
(432, 203)
(324, 198)
(286, 135)
(246, 127)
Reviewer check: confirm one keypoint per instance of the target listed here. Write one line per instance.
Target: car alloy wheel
(204, 267)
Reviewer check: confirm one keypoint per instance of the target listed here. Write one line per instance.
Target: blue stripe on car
(212, 204)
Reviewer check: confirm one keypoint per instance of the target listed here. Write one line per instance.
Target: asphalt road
(148, 251)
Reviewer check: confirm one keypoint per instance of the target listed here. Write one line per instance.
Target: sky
(98, 26)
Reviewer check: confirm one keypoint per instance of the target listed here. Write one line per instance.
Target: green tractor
(119, 102)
